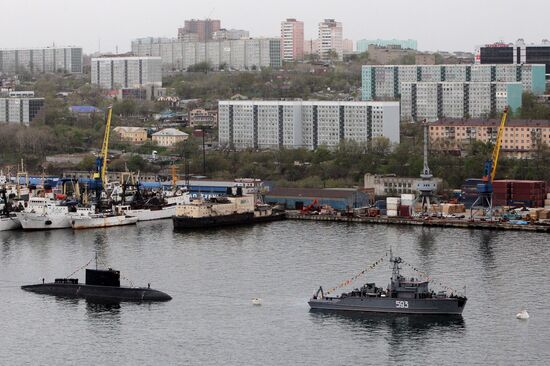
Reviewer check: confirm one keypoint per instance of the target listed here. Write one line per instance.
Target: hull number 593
(402, 304)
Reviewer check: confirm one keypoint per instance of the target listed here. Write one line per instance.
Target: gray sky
(436, 24)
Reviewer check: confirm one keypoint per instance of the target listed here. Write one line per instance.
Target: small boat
(522, 315)
(256, 301)
(101, 285)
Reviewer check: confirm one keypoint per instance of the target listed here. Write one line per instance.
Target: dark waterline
(213, 276)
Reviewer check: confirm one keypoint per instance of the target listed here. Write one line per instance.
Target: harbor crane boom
(485, 188)
(101, 161)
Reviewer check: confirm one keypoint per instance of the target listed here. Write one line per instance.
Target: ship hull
(268, 218)
(100, 222)
(149, 215)
(33, 221)
(98, 293)
(9, 223)
(183, 222)
(446, 306)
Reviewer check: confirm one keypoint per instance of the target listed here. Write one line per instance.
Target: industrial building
(383, 82)
(391, 184)
(298, 198)
(307, 124)
(521, 137)
(363, 44)
(518, 53)
(21, 110)
(241, 54)
(126, 72)
(436, 100)
(41, 60)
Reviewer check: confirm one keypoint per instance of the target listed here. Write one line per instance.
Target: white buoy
(522, 314)
(256, 301)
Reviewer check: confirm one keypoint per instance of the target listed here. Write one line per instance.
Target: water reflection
(397, 324)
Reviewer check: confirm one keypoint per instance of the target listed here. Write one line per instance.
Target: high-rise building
(126, 72)
(330, 40)
(347, 46)
(307, 124)
(518, 53)
(41, 60)
(382, 82)
(436, 100)
(204, 28)
(363, 44)
(20, 110)
(292, 40)
(241, 54)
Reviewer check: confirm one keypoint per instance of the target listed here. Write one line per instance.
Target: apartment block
(292, 40)
(41, 60)
(204, 29)
(241, 54)
(382, 82)
(304, 124)
(20, 110)
(126, 72)
(199, 117)
(520, 136)
(436, 100)
(330, 40)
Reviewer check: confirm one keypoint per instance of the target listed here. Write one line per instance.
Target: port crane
(100, 174)
(484, 199)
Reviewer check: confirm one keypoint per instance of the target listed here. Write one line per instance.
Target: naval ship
(102, 285)
(403, 296)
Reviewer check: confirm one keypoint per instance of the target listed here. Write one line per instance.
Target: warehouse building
(298, 198)
(436, 100)
(296, 124)
(384, 82)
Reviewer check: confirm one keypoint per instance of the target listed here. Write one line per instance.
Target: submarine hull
(99, 293)
(447, 306)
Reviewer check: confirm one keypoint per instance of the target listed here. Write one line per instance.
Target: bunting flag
(352, 279)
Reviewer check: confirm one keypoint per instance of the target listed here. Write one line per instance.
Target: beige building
(203, 118)
(391, 184)
(520, 138)
(131, 134)
(388, 55)
(424, 59)
(169, 137)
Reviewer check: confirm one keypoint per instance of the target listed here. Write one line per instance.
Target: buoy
(256, 301)
(522, 314)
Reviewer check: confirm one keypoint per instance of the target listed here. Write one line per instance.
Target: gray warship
(402, 296)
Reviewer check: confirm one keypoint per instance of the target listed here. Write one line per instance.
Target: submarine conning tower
(103, 277)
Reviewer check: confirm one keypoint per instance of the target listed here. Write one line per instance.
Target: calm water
(213, 276)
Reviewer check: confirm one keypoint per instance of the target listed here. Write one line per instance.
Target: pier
(430, 222)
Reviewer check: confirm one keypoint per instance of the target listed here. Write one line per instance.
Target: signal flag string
(352, 279)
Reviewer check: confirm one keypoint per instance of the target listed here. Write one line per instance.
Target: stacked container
(528, 193)
(547, 202)
(392, 206)
(407, 201)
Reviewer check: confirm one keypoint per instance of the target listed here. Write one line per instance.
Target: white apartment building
(330, 39)
(126, 72)
(308, 124)
(384, 82)
(41, 60)
(240, 54)
(20, 110)
(437, 100)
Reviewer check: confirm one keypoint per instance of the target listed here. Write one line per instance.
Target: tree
(203, 67)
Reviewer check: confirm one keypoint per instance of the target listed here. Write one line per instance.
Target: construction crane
(485, 188)
(100, 175)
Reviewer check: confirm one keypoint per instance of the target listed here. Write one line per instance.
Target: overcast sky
(435, 24)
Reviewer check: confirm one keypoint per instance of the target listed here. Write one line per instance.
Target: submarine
(102, 285)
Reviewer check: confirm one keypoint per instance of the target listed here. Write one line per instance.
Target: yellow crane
(101, 161)
(485, 188)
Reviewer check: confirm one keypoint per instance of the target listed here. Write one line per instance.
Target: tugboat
(101, 285)
(402, 296)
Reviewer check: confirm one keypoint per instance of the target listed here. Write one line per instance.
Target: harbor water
(213, 276)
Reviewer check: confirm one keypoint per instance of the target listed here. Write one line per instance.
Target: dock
(430, 222)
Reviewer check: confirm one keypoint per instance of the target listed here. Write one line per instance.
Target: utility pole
(203, 154)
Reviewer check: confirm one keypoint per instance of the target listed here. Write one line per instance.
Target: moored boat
(101, 220)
